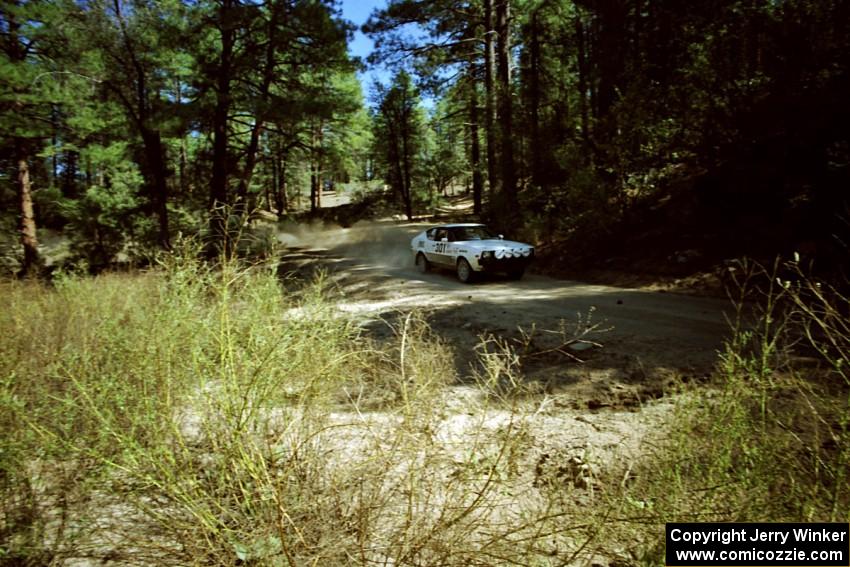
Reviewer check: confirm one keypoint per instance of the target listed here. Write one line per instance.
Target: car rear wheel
(423, 266)
(464, 271)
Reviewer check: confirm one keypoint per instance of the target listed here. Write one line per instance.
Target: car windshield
(473, 233)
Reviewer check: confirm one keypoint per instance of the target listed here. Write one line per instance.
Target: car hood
(496, 244)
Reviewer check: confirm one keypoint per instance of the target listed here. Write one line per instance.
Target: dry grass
(197, 415)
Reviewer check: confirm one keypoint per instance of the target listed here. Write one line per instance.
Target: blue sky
(358, 11)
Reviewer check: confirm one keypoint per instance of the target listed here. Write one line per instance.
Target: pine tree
(27, 94)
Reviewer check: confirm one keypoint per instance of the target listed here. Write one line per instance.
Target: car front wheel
(423, 266)
(464, 271)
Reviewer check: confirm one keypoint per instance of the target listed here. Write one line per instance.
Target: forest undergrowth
(197, 414)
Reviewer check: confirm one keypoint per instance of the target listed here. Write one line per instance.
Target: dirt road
(646, 341)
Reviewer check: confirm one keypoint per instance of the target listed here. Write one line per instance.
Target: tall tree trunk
(69, 175)
(157, 173)
(184, 150)
(282, 199)
(250, 161)
(316, 169)
(490, 99)
(509, 186)
(406, 161)
(268, 193)
(475, 148)
(609, 54)
(638, 49)
(264, 90)
(474, 128)
(54, 147)
(221, 113)
(314, 185)
(154, 150)
(89, 173)
(31, 263)
(395, 157)
(537, 153)
(583, 83)
(184, 160)
(280, 187)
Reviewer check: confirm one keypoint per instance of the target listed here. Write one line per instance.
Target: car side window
(430, 233)
(441, 234)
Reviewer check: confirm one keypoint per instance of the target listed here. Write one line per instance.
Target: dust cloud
(380, 243)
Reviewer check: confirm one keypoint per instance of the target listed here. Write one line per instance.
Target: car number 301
(469, 248)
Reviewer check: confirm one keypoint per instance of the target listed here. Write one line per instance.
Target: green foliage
(444, 159)
(104, 220)
(632, 97)
(145, 75)
(768, 441)
(347, 135)
(109, 395)
(611, 103)
(400, 129)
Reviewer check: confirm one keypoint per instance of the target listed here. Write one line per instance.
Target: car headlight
(500, 253)
(527, 252)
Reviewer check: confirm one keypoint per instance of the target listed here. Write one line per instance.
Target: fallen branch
(569, 337)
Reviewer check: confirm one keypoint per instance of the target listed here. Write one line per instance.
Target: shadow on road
(650, 341)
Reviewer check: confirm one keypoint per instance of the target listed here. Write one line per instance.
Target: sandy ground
(646, 342)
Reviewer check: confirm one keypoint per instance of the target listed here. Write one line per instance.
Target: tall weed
(768, 441)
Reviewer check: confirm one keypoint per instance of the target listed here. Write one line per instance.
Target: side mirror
(444, 239)
(501, 237)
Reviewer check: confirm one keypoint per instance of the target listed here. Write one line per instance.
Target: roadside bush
(770, 440)
(111, 385)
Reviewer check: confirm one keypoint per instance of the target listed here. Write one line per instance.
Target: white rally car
(469, 248)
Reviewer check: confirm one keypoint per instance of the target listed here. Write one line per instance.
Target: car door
(421, 242)
(429, 244)
(440, 244)
(453, 248)
(425, 244)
